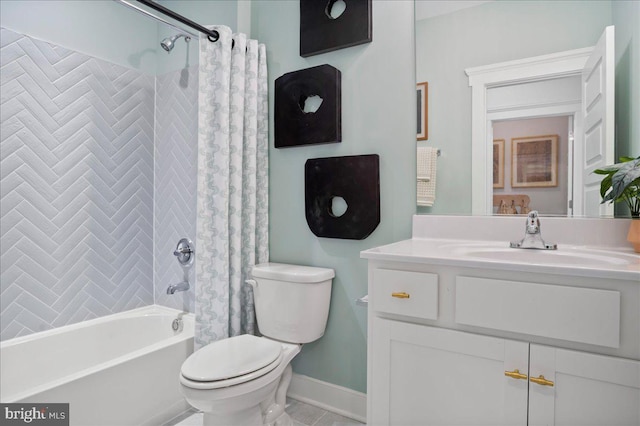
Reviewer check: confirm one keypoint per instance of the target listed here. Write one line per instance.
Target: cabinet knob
(540, 380)
(401, 295)
(515, 374)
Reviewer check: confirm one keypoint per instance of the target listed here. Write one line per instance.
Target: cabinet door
(424, 376)
(583, 389)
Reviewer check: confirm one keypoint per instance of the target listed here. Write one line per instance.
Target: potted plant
(622, 183)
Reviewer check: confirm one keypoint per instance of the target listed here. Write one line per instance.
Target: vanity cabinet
(454, 346)
(432, 376)
(588, 389)
(423, 375)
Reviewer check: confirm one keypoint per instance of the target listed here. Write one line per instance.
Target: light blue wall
(492, 32)
(99, 28)
(378, 115)
(626, 18)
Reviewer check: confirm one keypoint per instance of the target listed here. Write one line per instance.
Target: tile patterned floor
(302, 415)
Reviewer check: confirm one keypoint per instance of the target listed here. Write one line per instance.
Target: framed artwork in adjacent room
(534, 161)
(423, 111)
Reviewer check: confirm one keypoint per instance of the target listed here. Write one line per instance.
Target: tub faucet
(185, 254)
(181, 286)
(532, 236)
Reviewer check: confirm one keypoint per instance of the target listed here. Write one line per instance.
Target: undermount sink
(561, 256)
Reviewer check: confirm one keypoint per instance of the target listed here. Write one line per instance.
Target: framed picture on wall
(534, 161)
(498, 163)
(423, 109)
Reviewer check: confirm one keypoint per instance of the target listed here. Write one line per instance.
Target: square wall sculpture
(295, 123)
(322, 30)
(354, 182)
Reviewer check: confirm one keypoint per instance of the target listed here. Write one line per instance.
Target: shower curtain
(232, 199)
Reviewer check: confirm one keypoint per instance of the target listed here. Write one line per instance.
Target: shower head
(169, 42)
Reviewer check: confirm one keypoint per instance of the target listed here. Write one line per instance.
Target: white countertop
(612, 263)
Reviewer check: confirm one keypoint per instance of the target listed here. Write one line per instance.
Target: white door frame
(481, 78)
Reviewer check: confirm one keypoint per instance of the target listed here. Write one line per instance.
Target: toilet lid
(233, 357)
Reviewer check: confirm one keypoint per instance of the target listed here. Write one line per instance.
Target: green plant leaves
(621, 182)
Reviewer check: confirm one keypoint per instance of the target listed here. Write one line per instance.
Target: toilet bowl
(243, 380)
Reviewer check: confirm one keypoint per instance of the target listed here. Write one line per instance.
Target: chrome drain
(176, 325)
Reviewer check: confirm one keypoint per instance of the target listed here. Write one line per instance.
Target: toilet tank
(292, 301)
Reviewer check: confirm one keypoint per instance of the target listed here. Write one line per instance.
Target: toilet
(243, 380)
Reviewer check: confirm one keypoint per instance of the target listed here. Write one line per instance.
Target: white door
(598, 87)
(432, 376)
(582, 389)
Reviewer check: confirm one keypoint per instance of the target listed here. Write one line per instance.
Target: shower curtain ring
(213, 37)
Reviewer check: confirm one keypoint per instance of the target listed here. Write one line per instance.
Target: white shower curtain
(232, 200)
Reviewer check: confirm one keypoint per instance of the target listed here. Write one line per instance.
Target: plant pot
(634, 234)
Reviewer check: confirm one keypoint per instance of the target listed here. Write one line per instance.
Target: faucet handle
(533, 223)
(184, 252)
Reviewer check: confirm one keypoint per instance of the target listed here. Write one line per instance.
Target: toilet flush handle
(252, 283)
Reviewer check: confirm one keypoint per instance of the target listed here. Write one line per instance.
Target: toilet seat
(230, 362)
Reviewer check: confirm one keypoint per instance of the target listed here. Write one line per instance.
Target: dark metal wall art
(292, 125)
(354, 178)
(320, 33)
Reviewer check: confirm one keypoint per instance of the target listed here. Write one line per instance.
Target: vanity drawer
(413, 294)
(575, 314)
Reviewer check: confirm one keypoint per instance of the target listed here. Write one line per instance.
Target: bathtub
(117, 370)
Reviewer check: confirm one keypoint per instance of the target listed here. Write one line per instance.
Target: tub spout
(182, 286)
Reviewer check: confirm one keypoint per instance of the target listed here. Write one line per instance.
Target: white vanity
(464, 330)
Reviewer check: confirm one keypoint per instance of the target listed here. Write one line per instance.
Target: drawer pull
(401, 295)
(515, 374)
(541, 381)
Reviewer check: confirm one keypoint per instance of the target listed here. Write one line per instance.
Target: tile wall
(176, 155)
(77, 185)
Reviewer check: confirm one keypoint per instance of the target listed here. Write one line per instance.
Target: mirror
(457, 42)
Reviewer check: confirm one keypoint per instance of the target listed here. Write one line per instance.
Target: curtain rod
(212, 35)
(157, 18)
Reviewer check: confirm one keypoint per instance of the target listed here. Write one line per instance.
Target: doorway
(531, 165)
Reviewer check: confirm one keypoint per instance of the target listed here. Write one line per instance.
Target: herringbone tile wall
(176, 155)
(76, 186)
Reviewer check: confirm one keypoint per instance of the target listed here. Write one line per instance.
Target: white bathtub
(116, 370)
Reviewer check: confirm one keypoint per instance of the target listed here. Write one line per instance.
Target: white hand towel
(426, 173)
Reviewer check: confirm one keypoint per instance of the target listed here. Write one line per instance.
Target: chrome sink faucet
(532, 237)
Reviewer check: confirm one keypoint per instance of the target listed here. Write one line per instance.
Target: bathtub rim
(150, 310)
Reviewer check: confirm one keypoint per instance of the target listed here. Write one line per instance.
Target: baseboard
(330, 397)
(171, 414)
